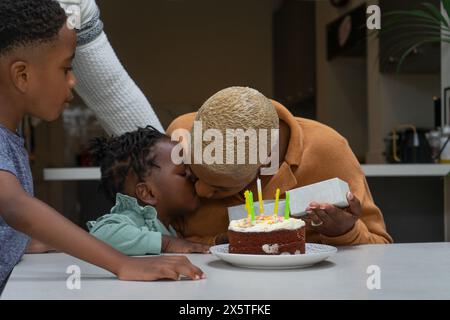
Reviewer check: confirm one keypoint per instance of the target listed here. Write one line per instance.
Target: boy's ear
(145, 195)
(19, 75)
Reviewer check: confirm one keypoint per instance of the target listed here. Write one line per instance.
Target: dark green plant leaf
(411, 26)
(415, 46)
(407, 30)
(435, 12)
(446, 5)
(413, 13)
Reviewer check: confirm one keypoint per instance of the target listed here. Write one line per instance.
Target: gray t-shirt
(13, 159)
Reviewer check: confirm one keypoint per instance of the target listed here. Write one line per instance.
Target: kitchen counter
(371, 170)
(417, 193)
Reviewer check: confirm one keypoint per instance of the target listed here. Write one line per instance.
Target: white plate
(315, 253)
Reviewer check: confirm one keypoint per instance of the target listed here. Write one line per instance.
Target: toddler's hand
(176, 245)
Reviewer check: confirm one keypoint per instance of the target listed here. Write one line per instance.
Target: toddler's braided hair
(117, 155)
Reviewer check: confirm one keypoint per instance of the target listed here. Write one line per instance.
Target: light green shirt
(130, 228)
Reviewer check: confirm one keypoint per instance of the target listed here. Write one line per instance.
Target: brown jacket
(315, 153)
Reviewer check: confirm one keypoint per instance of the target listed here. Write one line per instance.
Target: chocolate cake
(267, 235)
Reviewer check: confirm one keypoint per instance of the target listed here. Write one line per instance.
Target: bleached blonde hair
(238, 108)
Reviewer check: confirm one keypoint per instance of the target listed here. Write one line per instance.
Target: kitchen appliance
(408, 144)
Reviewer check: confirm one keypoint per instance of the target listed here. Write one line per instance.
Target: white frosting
(265, 225)
(270, 248)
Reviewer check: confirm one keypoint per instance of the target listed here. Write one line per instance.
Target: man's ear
(19, 73)
(145, 195)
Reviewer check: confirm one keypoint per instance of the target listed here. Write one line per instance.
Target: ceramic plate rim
(256, 261)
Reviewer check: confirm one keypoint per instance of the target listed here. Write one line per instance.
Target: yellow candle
(260, 198)
(277, 197)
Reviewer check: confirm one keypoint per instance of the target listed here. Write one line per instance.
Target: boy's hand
(156, 268)
(332, 221)
(30, 216)
(176, 245)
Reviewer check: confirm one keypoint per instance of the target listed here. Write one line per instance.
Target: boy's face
(170, 183)
(49, 78)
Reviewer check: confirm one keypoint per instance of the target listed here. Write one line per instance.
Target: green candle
(252, 206)
(286, 206)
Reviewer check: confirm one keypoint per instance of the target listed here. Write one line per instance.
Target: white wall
(396, 99)
(408, 99)
(341, 84)
(445, 71)
(181, 52)
(362, 104)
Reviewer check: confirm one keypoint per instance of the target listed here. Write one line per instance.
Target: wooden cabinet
(295, 56)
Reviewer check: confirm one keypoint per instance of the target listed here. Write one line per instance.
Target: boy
(36, 50)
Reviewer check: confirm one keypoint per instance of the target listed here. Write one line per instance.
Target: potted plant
(409, 30)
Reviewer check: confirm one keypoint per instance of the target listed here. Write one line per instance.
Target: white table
(408, 271)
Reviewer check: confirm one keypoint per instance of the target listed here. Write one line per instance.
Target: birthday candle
(286, 206)
(247, 206)
(260, 198)
(277, 197)
(252, 206)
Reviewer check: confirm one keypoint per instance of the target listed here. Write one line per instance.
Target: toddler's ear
(145, 195)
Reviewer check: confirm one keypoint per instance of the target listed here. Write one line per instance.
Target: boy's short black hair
(117, 155)
(25, 22)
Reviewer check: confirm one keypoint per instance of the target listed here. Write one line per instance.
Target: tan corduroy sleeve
(370, 228)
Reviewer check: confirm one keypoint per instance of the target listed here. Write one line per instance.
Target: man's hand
(156, 268)
(332, 221)
(177, 245)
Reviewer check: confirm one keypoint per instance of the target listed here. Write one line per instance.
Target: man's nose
(203, 190)
(72, 80)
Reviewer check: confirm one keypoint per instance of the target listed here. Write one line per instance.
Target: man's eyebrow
(222, 187)
(218, 187)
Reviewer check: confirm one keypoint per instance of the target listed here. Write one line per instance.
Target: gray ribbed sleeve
(108, 90)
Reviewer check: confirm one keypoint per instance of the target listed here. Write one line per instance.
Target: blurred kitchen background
(313, 57)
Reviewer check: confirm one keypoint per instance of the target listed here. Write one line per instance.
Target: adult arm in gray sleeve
(102, 82)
